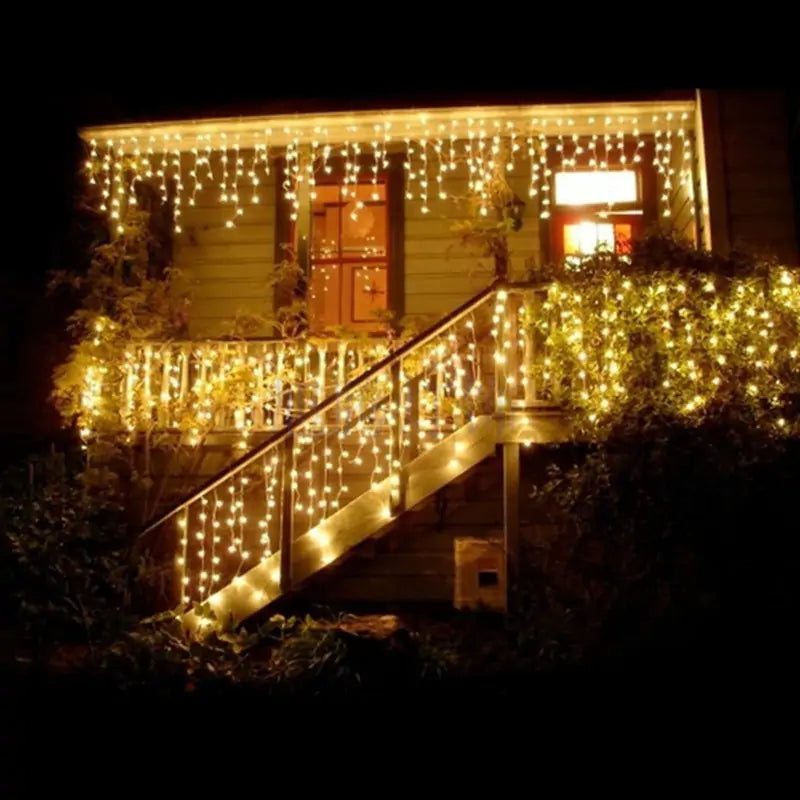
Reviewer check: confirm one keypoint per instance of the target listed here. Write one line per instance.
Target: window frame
(636, 221)
(383, 261)
(631, 205)
(286, 229)
(637, 214)
(550, 228)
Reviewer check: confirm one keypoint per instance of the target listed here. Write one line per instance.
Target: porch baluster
(163, 408)
(258, 370)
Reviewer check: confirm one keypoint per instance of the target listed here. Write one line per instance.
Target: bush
(672, 533)
(66, 573)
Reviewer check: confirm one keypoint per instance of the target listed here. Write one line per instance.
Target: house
(341, 431)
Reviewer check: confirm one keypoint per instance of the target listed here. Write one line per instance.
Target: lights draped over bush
(670, 330)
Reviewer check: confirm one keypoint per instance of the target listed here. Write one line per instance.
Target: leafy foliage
(669, 329)
(67, 574)
(668, 529)
(121, 300)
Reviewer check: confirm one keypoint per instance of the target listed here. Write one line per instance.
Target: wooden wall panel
(439, 273)
(754, 151)
(229, 267)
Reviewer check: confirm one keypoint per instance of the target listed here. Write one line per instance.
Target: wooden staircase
(353, 465)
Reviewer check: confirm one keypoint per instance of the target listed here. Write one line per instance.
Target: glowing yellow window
(349, 255)
(584, 237)
(603, 187)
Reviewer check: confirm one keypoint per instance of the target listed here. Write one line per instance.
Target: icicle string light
(337, 455)
(471, 148)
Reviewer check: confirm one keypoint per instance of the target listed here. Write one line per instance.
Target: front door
(349, 256)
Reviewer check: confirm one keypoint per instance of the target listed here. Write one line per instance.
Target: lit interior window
(584, 238)
(592, 188)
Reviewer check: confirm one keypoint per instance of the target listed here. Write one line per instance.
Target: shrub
(670, 529)
(67, 572)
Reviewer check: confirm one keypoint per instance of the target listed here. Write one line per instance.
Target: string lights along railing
(286, 494)
(192, 388)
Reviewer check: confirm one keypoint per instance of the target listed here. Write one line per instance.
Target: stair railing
(358, 440)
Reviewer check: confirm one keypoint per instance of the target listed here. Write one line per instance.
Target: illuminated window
(603, 187)
(584, 238)
(349, 255)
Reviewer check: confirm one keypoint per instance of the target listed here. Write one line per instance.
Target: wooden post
(511, 514)
(395, 201)
(287, 514)
(398, 497)
(511, 335)
(714, 218)
(413, 419)
(529, 371)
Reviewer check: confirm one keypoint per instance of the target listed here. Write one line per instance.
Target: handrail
(418, 341)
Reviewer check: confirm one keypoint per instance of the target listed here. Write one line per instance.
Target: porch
(385, 214)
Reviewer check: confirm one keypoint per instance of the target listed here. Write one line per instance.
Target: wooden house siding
(228, 267)
(753, 177)
(440, 273)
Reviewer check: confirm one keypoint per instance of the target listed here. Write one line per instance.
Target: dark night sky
(32, 339)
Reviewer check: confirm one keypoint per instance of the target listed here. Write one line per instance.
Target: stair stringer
(365, 516)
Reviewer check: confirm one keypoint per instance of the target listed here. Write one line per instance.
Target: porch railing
(252, 385)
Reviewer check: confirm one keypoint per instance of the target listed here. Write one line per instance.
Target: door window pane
(349, 238)
(585, 237)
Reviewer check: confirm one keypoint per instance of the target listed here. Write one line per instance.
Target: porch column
(511, 515)
(303, 223)
(712, 185)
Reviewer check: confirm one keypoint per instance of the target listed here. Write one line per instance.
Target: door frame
(286, 230)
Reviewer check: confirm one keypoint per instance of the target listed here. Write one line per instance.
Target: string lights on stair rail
(361, 443)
